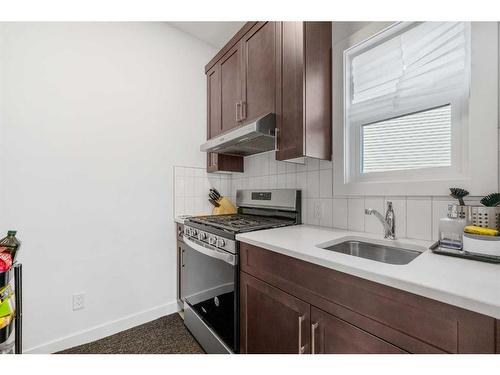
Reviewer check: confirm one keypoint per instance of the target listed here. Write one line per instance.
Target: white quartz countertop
(468, 284)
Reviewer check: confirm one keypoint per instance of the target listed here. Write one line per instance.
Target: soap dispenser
(451, 229)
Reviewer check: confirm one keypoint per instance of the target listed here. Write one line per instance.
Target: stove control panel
(210, 239)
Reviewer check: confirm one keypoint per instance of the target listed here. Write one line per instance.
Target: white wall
(94, 117)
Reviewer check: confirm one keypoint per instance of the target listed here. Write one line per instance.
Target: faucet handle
(389, 205)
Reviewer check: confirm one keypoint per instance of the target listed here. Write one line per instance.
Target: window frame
(353, 132)
(475, 159)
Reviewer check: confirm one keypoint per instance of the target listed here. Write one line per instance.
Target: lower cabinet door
(272, 321)
(330, 335)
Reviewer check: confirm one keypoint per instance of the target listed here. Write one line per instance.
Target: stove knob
(186, 231)
(212, 240)
(194, 233)
(221, 242)
(202, 236)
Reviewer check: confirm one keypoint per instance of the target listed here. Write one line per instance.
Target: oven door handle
(213, 253)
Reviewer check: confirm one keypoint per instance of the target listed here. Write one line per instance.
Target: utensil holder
(480, 216)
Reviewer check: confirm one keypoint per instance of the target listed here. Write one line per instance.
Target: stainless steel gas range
(210, 272)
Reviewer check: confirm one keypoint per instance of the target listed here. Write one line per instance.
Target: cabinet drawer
(412, 322)
(330, 335)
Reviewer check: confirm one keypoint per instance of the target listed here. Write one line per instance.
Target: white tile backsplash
(325, 164)
(325, 183)
(416, 217)
(281, 167)
(312, 164)
(302, 182)
(419, 218)
(340, 213)
(291, 167)
(356, 214)
(312, 190)
(273, 164)
(191, 188)
(311, 217)
(291, 180)
(281, 181)
(326, 219)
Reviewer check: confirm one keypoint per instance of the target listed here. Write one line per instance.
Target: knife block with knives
(222, 205)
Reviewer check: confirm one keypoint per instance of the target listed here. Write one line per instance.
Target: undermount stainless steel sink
(379, 253)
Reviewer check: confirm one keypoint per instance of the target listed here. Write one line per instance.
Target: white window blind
(414, 141)
(421, 67)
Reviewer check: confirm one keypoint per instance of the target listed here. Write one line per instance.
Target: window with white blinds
(406, 90)
(415, 141)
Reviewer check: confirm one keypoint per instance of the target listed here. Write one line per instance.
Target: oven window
(209, 288)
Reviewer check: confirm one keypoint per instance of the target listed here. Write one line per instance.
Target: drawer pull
(313, 336)
(302, 348)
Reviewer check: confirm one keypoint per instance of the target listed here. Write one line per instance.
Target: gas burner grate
(239, 222)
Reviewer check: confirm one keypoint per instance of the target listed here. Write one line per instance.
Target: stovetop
(240, 223)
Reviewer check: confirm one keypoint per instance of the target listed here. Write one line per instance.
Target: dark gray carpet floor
(166, 335)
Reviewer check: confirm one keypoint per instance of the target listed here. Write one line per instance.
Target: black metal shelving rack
(15, 327)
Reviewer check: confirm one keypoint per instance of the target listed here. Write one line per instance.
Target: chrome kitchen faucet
(389, 221)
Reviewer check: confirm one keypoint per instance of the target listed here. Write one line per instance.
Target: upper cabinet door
(291, 112)
(231, 87)
(260, 71)
(214, 125)
(304, 88)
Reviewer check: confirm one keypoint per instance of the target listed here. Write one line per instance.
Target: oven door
(210, 291)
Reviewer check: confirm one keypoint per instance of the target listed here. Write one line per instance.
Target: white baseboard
(104, 330)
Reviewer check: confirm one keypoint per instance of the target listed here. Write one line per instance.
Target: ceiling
(217, 34)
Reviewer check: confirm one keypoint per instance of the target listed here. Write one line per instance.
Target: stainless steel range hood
(252, 138)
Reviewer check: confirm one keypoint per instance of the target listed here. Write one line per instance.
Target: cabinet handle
(238, 104)
(243, 110)
(276, 132)
(313, 336)
(302, 348)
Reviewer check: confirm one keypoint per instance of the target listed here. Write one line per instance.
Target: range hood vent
(252, 138)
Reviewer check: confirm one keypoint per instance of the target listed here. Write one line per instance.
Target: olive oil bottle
(11, 243)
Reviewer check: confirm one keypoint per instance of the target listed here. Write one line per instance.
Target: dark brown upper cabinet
(275, 67)
(259, 71)
(231, 92)
(224, 163)
(213, 102)
(242, 83)
(304, 115)
(223, 88)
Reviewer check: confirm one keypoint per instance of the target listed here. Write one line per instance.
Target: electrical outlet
(317, 210)
(78, 301)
